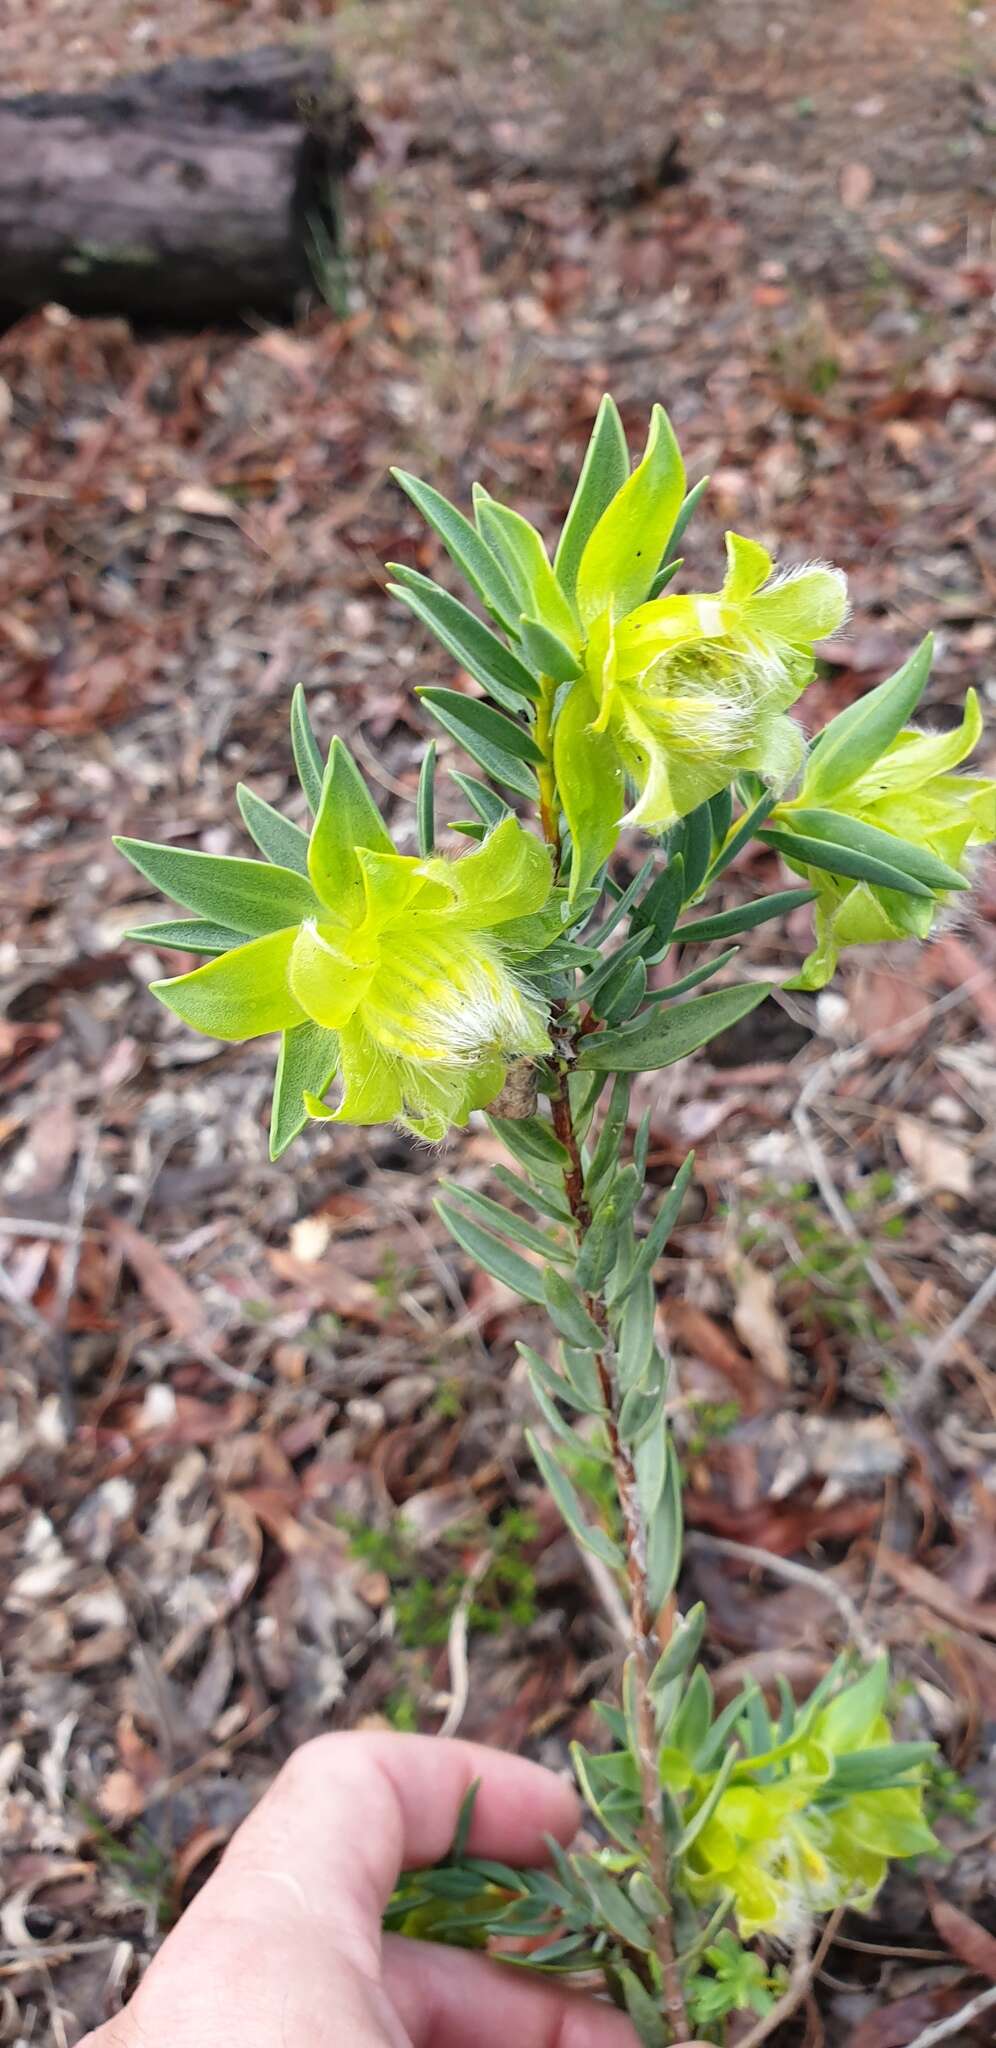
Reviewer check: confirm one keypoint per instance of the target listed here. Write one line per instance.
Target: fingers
(348, 1812)
(445, 1998)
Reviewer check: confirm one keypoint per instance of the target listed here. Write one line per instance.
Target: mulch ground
(258, 1425)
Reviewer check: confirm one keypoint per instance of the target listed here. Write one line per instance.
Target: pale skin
(283, 1947)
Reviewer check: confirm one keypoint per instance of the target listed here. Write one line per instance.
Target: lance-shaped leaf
(665, 1219)
(533, 1144)
(658, 912)
(278, 837)
(697, 975)
(472, 644)
(743, 919)
(307, 752)
(613, 1907)
(622, 553)
(658, 1040)
(689, 507)
(567, 1314)
(839, 859)
(521, 552)
(566, 1499)
(648, 2025)
(492, 1253)
(496, 742)
(742, 832)
(853, 741)
(838, 829)
(680, 1652)
(695, 848)
(243, 994)
(490, 807)
(309, 1057)
(499, 1218)
(549, 654)
(347, 818)
(603, 473)
(250, 896)
(590, 781)
(187, 935)
(465, 547)
(425, 803)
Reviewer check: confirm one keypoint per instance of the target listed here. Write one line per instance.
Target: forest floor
(259, 1424)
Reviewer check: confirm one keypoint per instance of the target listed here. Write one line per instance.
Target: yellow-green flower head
(807, 1828)
(693, 690)
(906, 809)
(396, 972)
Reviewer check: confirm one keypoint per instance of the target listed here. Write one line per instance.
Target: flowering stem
(641, 1618)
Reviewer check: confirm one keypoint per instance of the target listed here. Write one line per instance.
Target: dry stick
(799, 1575)
(641, 1618)
(954, 2022)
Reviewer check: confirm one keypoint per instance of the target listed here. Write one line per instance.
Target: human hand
(283, 1947)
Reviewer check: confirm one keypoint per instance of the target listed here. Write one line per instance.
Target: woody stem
(641, 1617)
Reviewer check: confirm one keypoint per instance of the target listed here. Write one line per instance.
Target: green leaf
(243, 994)
(187, 935)
(492, 1253)
(567, 1502)
(741, 833)
(549, 654)
(497, 743)
(309, 1057)
(663, 1037)
(642, 2009)
(636, 1333)
(521, 552)
(743, 919)
(621, 554)
(681, 1651)
(854, 740)
(695, 847)
(623, 993)
(500, 1218)
(590, 781)
(613, 1907)
(282, 841)
(307, 752)
(249, 895)
(874, 1769)
(721, 813)
(556, 1385)
(425, 803)
(658, 912)
(689, 507)
(804, 851)
(471, 644)
(665, 576)
(693, 1719)
(701, 1818)
(490, 807)
(465, 547)
(545, 1203)
(605, 1157)
(347, 818)
(603, 472)
(840, 830)
(695, 977)
(532, 1143)
(665, 1219)
(568, 1315)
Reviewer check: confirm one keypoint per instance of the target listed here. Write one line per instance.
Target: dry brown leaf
(161, 1284)
(968, 1941)
(757, 1320)
(936, 1159)
(327, 1283)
